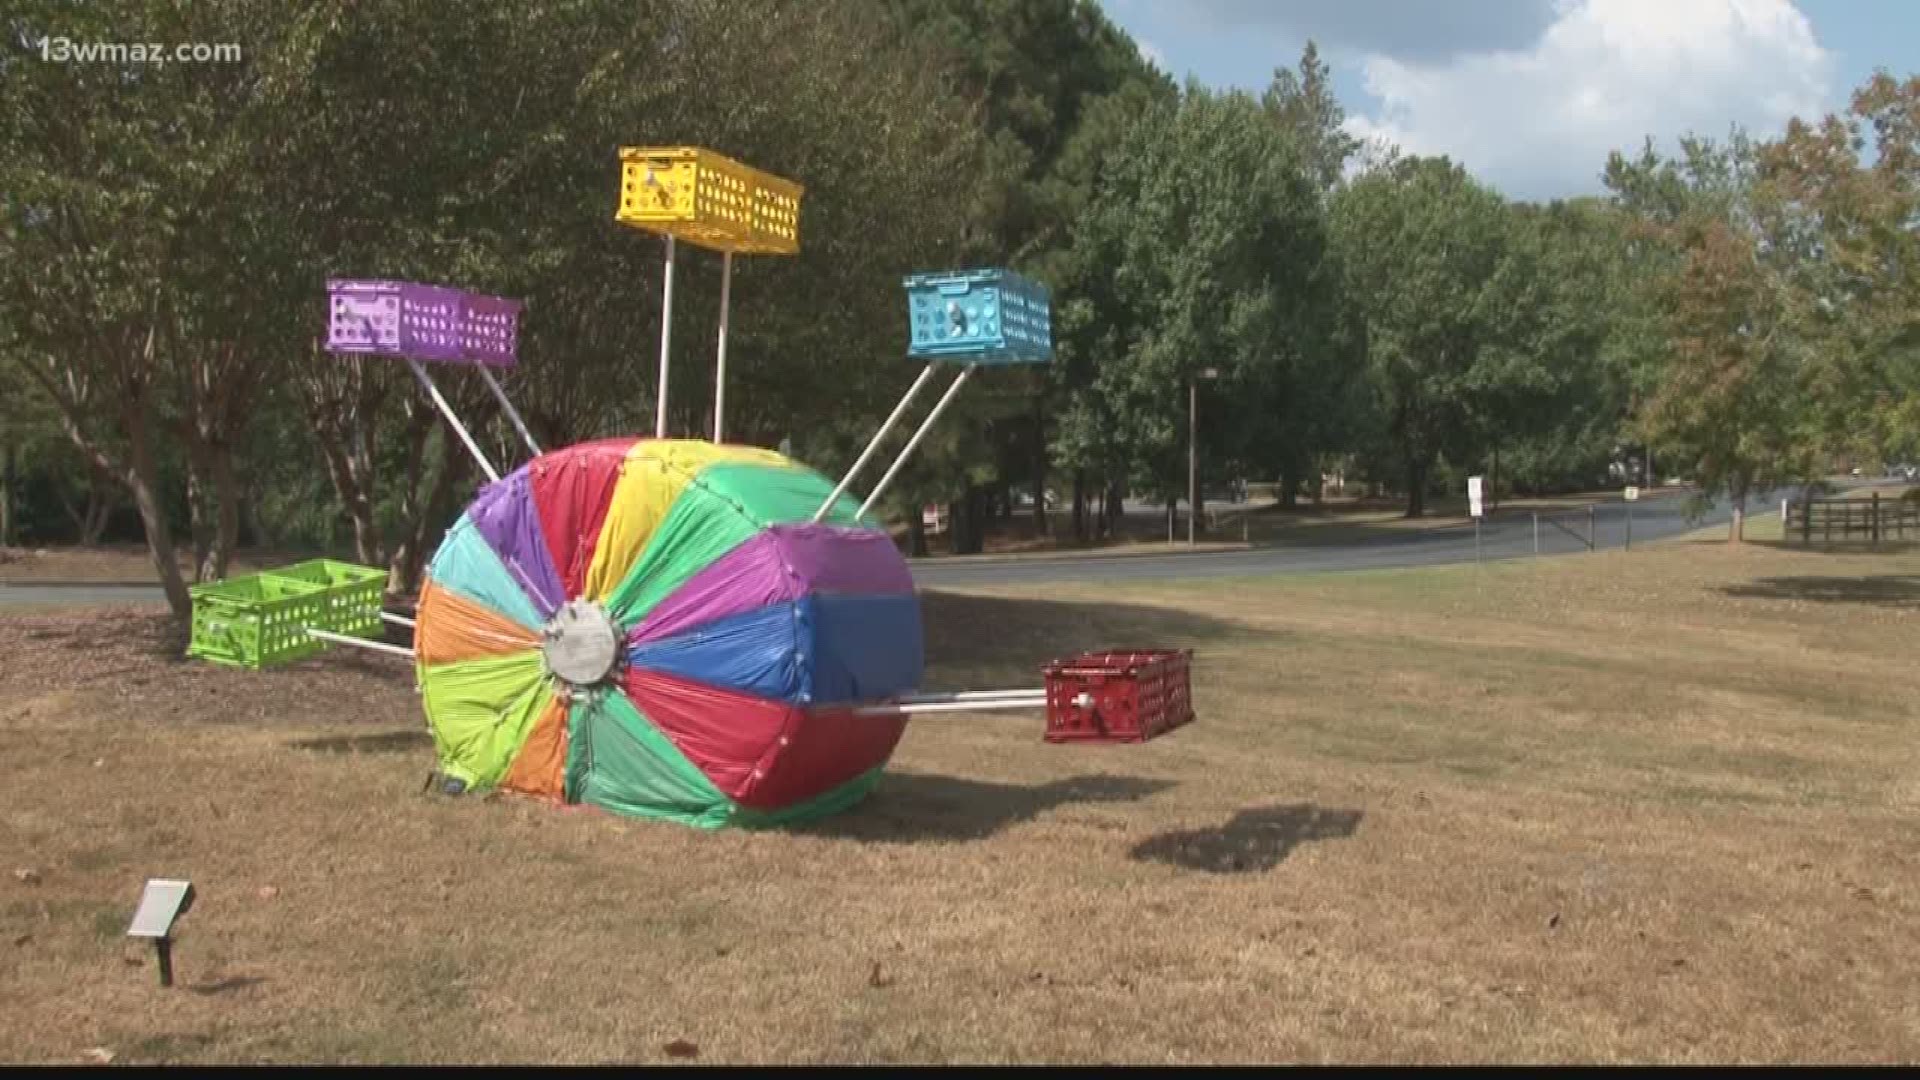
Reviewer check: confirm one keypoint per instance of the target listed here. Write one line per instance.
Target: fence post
(1875, 523)
(1806, 519)
(1591, 546)
(1786, 521)
(1536, 532)
(1629, 526)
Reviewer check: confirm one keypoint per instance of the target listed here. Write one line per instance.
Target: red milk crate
(1118, 696)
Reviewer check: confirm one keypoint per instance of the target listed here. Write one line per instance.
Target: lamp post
(1193, 446)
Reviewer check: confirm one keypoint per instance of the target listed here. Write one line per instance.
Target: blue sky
(1531, 94)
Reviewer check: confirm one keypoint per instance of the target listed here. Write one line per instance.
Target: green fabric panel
(827, 803)
(725, 505)
(618, 760)
(467, 565)
(481, 711)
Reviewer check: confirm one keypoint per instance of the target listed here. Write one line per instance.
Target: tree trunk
(6, 493)
(916, 536)
(1115, 508)
(1737, 490)
(199, 522)
(1417, 469)
(1080, 506)
(1289, 485)
(1493, 483)
(143, 480)
(99, 511)
(226, 525)
(1173, 517)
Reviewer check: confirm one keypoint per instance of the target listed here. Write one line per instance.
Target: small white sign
(1633, 493)
(161, 902)
(1473, 495)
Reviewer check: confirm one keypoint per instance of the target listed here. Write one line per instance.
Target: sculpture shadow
(909, 807)
(994, 642)
(1254, 840)
(384, 742)
(1883, 590)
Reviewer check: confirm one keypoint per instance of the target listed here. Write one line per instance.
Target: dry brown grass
(1655, 806)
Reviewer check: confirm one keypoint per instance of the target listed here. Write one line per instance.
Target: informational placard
(1633, 494)
(1473, 496)
(162, 901)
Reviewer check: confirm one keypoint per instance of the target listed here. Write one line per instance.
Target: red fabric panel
(825, 748)
(571, 490)
(762, 753)
(726, 734)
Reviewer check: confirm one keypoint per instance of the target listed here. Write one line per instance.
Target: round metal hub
(582, 644)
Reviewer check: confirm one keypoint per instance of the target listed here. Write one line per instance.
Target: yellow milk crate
(708, 199)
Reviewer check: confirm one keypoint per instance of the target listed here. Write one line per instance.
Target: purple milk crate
(423, 322)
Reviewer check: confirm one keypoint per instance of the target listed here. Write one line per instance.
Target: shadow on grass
(907, 807)
(1253, 840)
(993, 642)
(1887, 590)
(238, 982)
(385, 742)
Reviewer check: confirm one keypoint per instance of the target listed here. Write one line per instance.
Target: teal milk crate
(256, 621)
(354, 594)
(979, 316)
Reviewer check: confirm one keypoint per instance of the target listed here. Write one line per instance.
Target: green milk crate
(354, 594)
(256, 621)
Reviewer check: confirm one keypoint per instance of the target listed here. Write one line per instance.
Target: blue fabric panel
(866, 648)
(755, 652)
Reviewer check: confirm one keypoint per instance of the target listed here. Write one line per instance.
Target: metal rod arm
(513, 414)
(397, 620)
(378, 646)
(874, 444)
(907, 451)
(720, 364)
(969, 695)
(1036, 702)
(666, 338)
(446, 410)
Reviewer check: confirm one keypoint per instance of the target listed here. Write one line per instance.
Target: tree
(1421, 244)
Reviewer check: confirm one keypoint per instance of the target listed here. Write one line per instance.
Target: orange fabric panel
(540, 769)
(449, 628)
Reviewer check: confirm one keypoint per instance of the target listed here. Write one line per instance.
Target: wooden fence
(1873, 519)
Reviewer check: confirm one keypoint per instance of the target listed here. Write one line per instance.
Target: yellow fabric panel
(654, 474)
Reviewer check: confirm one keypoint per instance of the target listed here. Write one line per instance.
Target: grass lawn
(1624, 807)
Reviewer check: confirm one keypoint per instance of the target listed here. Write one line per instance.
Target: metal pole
(1193, 455)
(720, 364)
(163, 948)
(874, 443)
(446, 410)
(1629, 526)
(1536, 532)
(907, 451)
(970, 695)
(952, 706)
(513, 414)
(1476, 540)
(666, 338)
(343, 639)
(1591, 546)
(397, 620)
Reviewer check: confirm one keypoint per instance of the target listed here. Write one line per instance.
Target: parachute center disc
(582, 644)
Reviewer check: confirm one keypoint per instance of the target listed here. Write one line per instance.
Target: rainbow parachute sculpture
(655, 627)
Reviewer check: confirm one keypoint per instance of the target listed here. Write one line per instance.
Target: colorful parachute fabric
(655, 627)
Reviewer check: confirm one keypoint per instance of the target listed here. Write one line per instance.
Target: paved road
(1506, 536)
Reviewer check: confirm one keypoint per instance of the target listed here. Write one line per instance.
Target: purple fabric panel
(839, 559)
(506, 517)
(750, 576)
(785, 562)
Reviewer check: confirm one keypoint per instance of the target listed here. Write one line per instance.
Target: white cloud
(1151, 53)
(1538, 122)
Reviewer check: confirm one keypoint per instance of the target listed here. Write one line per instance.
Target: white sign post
(1474, 508)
